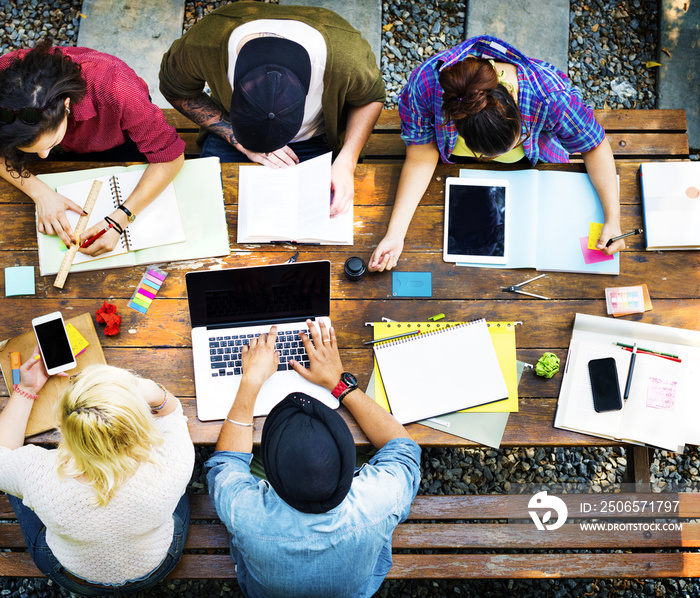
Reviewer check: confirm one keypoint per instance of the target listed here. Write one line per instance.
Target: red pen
(94, 238)
(643, 352)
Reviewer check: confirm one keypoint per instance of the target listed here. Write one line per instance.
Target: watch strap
(339, 390)
(127, 211)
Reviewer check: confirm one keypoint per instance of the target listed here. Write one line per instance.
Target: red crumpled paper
(107, 314)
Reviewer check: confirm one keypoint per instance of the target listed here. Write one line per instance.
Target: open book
(187, 221)
(549, 213)
(662, 409)
(290, 205)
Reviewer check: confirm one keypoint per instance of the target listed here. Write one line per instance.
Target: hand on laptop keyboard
(225, 351)
(324, 366)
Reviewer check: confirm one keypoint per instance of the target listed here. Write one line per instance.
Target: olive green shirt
(200, 57)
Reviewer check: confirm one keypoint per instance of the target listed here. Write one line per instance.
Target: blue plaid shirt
(553, 110)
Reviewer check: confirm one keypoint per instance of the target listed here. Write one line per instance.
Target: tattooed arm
(203, 111)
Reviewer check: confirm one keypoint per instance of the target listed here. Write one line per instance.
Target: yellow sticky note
(77, 341)
(594, 231)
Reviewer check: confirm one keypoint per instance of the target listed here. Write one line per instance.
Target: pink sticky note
(593, 256)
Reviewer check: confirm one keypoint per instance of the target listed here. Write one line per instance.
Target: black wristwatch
(127, 211)
(347, 384)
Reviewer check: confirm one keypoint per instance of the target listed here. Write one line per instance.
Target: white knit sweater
(127, 538)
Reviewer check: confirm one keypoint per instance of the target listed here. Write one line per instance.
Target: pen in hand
(94, 238)
(636, 231)
(630, 371)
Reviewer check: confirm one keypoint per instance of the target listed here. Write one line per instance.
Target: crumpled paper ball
(547, 366)
(107, 314)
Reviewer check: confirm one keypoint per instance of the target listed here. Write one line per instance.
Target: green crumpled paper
(548, 365)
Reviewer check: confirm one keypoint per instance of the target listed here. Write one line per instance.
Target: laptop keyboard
(225, 351)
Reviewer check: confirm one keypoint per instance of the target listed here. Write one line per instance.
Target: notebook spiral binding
(117, 199)
(408, 339)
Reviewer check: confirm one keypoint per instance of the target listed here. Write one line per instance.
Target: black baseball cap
(270, 84)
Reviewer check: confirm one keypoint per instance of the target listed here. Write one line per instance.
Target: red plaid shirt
(116, 105)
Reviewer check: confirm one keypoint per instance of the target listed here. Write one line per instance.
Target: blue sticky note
(19, 280)
(412, 284)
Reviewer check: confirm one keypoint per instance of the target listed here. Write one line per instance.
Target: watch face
(349, 379)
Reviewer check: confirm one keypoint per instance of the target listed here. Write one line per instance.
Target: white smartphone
(53, 342)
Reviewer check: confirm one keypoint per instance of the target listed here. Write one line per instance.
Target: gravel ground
(610, 44)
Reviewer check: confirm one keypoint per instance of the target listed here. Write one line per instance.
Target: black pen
(292, 259)
(631, 371)
(636, 231)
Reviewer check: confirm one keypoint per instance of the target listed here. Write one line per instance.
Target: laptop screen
(259, 295)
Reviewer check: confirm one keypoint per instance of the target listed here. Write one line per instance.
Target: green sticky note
(19, 280)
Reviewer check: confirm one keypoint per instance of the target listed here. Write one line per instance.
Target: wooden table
(158, 344)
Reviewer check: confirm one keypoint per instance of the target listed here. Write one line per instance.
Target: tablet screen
(475, 227)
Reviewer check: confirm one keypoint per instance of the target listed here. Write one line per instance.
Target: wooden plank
(18, 564)
(11, 536)
(643, 120)
(623, 144)
(541, 566)
(204, 566)
(452, 566)
(612, 120)
(487, 536)
(487, 507)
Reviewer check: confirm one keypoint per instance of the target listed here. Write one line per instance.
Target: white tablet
(476, 221)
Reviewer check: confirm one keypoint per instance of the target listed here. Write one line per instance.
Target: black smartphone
(604, 384)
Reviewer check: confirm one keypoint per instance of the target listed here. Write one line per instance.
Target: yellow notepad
(503, 338)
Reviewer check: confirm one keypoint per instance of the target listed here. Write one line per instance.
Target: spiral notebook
(440, 372)
(158, 224)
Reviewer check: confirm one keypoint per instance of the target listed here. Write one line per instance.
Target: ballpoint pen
(636, 231)
(630, 371)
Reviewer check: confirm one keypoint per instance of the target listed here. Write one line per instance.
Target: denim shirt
(346, 551)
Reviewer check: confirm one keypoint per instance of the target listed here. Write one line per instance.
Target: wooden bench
(456, 537)
(633, 134)
(445, 537)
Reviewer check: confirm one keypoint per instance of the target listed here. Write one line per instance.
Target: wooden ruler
(79, 230)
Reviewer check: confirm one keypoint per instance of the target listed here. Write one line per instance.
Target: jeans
(34, 533)
(305, 150)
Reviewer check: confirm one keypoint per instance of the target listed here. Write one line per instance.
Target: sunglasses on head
(29, 116)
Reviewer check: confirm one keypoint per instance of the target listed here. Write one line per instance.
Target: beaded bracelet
(24, 393)
(155, 410)
(233, 421)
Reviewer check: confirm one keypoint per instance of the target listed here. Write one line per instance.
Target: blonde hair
(107, 429)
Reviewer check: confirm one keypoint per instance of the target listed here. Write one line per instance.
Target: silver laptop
(229, 307)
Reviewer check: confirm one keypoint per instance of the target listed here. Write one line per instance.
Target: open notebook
(158, 224)
(199, 208)
(549, 213)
